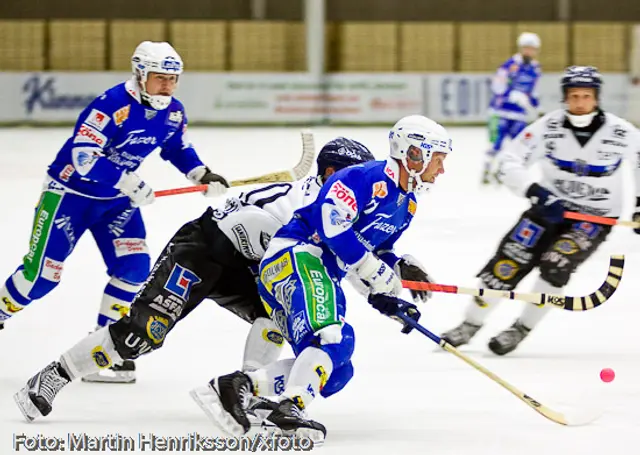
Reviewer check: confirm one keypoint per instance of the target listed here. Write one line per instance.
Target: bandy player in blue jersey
(92, 186)
(514, 99)
(351, 227)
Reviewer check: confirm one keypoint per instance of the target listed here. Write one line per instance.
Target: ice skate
(508, 340)
(1, 325)
(461, 334)
(290, 420)
(36, 398)
(226, 400)
(117, 374)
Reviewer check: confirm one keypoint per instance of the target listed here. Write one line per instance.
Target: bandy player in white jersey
(580, 151)
(215, 256)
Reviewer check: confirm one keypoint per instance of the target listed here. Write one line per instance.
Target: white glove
(216, 184)
(380, 278)
(133, 186)
(521, 99)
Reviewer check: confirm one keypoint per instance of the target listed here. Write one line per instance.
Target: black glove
(390, 306)
(210, 177)
(408, 268)
(547, 205)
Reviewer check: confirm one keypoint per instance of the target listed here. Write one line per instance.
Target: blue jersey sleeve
(92, 133)
(336, 209)
(386, 250)
(501, 83)
(178, 150)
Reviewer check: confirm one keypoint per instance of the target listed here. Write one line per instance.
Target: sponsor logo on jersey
(505, 269)
(589, 229)
(157, 328)
(265, 238)
(242, 237)
(517, 252)
(97, 119)
(390, 173)
(149, 114)
(613, 143)
(100, 357)
(527, 233)
(132, 139)
(51, 270)
(344, 197)
(170, 305)
(580, 190)
(181, 281)
(619, 131)
(608, 155)
(566, 246)
(380, 189)
(174, 118)
(87, 133)
(126, 246)
(553, 135)
(276, 270)
(121, 115)
(412, 207)
(66, 173)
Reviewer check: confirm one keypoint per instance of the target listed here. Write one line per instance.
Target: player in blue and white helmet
(417, 142)
(581, 92)
(156, 67)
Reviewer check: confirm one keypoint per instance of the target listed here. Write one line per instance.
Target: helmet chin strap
(414, 176)
(157, 102)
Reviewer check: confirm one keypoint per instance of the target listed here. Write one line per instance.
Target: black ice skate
(1, 325)
(291, 421)
(226, 400)
(117, 374)
(507, 341)
(461, 334)
(36, 398)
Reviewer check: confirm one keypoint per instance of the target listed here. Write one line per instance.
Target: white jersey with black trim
(581, 166)
(252, 219)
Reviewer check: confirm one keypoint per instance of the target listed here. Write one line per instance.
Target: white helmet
(417, 138)
(529, 40)
(152, 57)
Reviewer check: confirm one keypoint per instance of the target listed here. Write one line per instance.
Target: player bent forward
(215, 256)
(580, 150)
(352, 226)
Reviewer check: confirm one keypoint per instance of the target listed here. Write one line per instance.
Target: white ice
(407, 396)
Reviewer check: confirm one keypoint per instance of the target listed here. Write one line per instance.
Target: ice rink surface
(407, 396)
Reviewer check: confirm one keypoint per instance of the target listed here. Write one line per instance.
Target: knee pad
(139, 333)
(132, 269)
(338, 379)
(341, 352)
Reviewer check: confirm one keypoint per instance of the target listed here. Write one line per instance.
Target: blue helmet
(342, 152)
(581, 76)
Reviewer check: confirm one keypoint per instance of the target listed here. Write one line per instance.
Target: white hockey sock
(116, 301)
(479, 309)
(272, 379)
(93, 353)
(310, 372)
(263, 346)
(533, 314)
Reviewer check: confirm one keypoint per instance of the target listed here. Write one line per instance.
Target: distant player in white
(580, 150)
(215, 256)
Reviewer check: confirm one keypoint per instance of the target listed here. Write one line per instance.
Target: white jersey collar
(392, 170)
(131, 86)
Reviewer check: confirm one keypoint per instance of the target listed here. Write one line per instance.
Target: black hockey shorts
(198, 262)
(556, 249)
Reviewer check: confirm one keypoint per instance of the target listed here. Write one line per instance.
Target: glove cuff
(196, 174)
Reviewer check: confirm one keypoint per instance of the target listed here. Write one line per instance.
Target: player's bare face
(435, 167)
(161, 84)
(581, 100)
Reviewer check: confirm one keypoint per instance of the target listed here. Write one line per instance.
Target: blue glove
(547, 205)
(389, 305)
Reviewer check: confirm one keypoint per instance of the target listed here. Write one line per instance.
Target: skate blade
(28, 409)
(120, 377)
(207, 399)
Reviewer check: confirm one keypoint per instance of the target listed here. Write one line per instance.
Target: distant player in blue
(514, 100)
(359, 214)
(92, 185)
